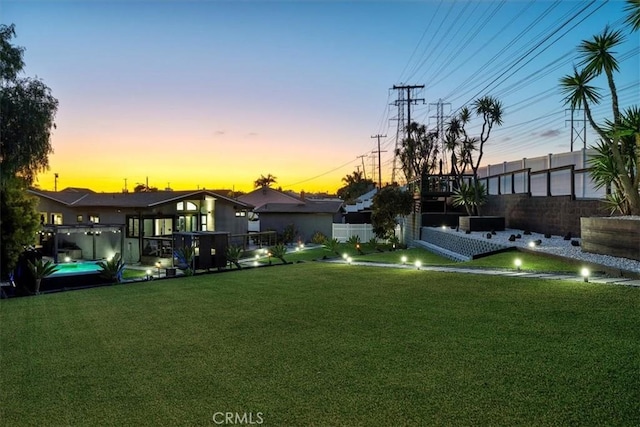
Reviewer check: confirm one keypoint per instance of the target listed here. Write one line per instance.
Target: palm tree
(633, 14)
(598, 58)
(265, 181)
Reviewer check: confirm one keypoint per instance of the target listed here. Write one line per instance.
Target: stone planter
(481, 223)
(615, 236)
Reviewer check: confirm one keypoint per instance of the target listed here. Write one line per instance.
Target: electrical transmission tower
(440, 117)
(578, 126)
(402, 130)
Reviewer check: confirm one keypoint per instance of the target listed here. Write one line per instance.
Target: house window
(79, 218)
(56, 218)
(241, 213)
(133, 226)
(95, 218)
(186, 206)
(187, 223)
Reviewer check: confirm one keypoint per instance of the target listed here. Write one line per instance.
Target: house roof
(330, 207)
(266, 195)
(129, 200)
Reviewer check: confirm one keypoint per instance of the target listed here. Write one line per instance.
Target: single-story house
(91, 225)
(278, 210)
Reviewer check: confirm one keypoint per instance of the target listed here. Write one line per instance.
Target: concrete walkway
(505, 273)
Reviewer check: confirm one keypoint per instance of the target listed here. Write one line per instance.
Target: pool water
(76, 268)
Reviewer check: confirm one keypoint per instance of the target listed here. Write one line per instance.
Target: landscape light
(349, 259)
(403, 259)
(418, 264)
(585, 273)
(532, 244)
(255, 263)
(518, 263)
(257, 256)
(444, 227)
(148, 274)
(67, 259)
(344, 256)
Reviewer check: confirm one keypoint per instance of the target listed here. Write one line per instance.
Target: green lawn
(324, 344)
(530, 261)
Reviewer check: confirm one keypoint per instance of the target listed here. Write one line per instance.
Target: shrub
(318, 238)
(233, 255)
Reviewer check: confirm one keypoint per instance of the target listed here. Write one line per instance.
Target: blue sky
(213, 94)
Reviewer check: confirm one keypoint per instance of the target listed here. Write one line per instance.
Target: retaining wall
(557, 215)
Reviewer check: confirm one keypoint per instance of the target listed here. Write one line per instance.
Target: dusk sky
(213, 94)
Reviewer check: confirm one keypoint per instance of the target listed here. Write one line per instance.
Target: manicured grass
(505, 260)
(324, 344)
(530, 262)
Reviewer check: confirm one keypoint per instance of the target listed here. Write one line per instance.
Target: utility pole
(378, 136)
(55, 181)
(408, 99)
(403, 130)
(440, 128)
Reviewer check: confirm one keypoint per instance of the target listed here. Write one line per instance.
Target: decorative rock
(526, 233)
(575, 243)
(488, 235)
(493, 232)
(567, 236)
(512, 238)
(467, 232)
(518, 236)
(538, 242)
(547, 236)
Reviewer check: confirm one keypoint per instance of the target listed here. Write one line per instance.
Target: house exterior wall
(306, 224)
(226, 219)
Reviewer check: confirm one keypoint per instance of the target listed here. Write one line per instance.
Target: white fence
(343, 232)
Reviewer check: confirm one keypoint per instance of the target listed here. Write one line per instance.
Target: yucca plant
(185, 256)
(471, 196)
(278, 251)
(112, 269)
(40, 270)
(332, 245)
(233, 255)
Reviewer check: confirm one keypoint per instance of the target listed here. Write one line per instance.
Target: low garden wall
(556, 215)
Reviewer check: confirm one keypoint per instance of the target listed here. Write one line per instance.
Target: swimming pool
(73, 268)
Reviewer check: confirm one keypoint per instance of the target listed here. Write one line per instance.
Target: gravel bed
(555, 245)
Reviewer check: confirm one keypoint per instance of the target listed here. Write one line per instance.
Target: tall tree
(265, 181)
(388, 204)
(418, 151)
(597, 59)
(355, 186)
(27, 111)
(467, 151)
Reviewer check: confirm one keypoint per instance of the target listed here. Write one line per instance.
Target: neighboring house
(359, 212)
(136, 225)
(277, 210)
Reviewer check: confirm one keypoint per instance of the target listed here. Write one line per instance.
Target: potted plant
(40, 270)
